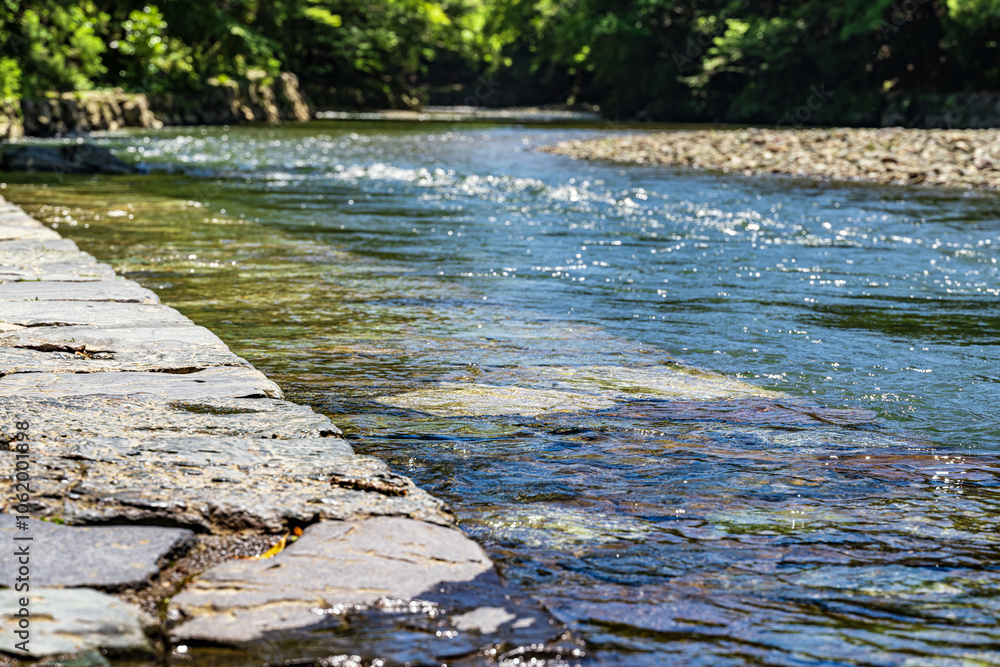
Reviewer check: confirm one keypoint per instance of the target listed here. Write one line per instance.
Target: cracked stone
(223, 382)
(142, 416)
(105, 290)
(333, 563)
(103, 314)
(88, 349)
(216, 485)
(75, 620)
(109, 557)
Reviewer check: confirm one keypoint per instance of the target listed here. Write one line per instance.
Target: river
(768, 431)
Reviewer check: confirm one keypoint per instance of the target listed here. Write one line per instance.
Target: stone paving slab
(87, 349)
(25, 233)
(75, 313)
(224, 382)
(105, 290)
(332, 564)
(218, 485)
(144, 416)
(108, 557)
(75, 620)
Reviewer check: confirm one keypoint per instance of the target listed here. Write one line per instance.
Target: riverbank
(950, 158)
(165, 480)
(223, 101)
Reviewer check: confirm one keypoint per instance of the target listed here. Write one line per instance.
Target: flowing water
(705, 419)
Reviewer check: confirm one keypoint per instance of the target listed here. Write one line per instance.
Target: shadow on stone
(80, 158)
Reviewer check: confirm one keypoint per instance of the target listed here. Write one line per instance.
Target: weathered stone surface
(333, 564)
(25, 233)
(48, 260)
(632, 382)
(224, 382)
(93, 556)
(86, 349)
(104, 314)
(74, 620)
(106, 290)
(217, 484)
(143, 416)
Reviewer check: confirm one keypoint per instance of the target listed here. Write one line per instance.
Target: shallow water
(823, 493)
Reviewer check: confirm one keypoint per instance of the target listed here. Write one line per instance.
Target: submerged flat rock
(209, 383)
(95, 556)
(667, 381)
(450, 399)
(74, 620)
(333, 564)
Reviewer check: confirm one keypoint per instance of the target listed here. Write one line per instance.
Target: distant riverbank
(950, 158)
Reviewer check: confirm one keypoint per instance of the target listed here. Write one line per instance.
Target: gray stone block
(105, 290)
(74, 620)
(102, 314)
(217, 485)
(142, 416)
(334, 564)
(85, 349)
(109, 557)
(224, 382)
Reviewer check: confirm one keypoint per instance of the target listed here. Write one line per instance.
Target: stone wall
(223, 102)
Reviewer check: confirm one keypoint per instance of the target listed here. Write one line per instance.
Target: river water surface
(520, 333)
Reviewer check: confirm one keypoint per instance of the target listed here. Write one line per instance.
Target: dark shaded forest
(723, 61)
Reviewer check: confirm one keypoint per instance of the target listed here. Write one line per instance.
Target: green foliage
(728, 60)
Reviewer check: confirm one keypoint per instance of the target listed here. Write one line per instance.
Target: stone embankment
(256, 99)
(951, 158)
(152, 478)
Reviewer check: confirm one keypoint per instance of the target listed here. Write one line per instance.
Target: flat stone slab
(663, 381)
(450, 399)
(102, 314)
(333, 564)
(143, 416)
(86, 349)
(222, 382)
(217, 485)
(74, 620)
(109, 557)
(25, 233)
(125, 291)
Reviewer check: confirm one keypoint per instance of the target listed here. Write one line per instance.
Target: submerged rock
(81, 158)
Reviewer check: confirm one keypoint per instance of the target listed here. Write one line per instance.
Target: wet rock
(86, 349)
(632, 382)
(450, 399)
(224, 382)
(75, 620)
(109, 557)
(333, 564)
(123, 291)
(79, 158)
